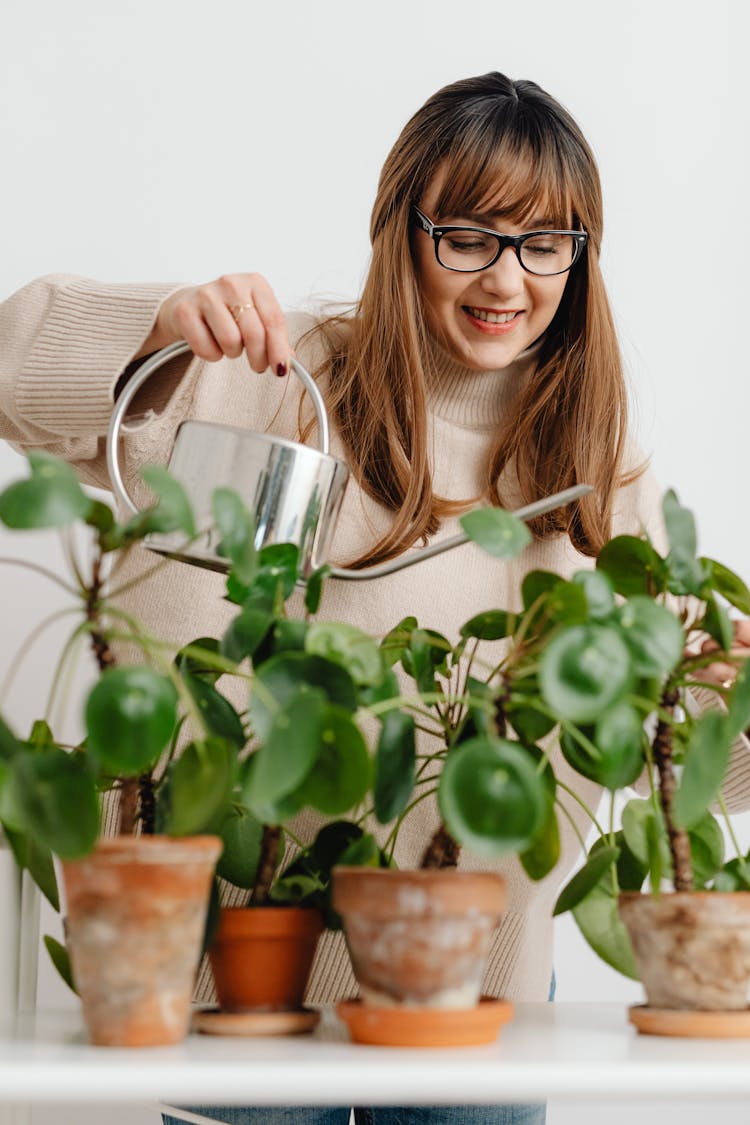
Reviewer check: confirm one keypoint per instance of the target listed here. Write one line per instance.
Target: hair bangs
(509, 177)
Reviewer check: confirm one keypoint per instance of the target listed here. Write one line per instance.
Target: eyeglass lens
(473, 250)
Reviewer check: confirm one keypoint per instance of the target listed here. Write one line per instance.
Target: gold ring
(237, 310)
(727, 684)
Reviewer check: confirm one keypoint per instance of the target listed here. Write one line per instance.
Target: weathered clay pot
(136, 911)
(692, 949)
(261, 956)
(418, 938)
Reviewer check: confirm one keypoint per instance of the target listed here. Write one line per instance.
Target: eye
(468, 242)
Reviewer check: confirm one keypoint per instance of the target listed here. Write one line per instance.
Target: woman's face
(484, 320)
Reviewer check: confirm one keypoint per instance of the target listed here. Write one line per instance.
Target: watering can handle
(145, 371)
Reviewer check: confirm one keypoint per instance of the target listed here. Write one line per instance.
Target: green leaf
(633, 566)
(290, 748)
(348, 646)
(600, 595)
(738, 702)
(706, 849)
(57, 797)
(267, 811)
(394, 765)
(426, 655)
(32, 854)
(314, 588)
(717, 623)
(60, 958)
(619, 738)
(236, 526)
(363, 852)
(294, 890)
(705, 763)
(341, 775)
(51, 497)
(200, 786)
(241, 835)
(172, 511)
(653, 634)
(279, 679)
(583, 671)
(101, 518)
(278, 567)
(496, 531)
(217, 713)
(491, 625)
(598, 919)
(245, 633)
(645, 836)
(539, 859)
(130, 716)
(728, 584)
(490, 796)
(584, 880)
(9, 744)
(189, 659)
(395, 643)
(686, 573)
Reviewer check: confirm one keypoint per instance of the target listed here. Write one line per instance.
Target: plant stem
(269, 855)
(679, 844)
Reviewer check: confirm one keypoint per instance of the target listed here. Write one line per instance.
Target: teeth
(491, 317)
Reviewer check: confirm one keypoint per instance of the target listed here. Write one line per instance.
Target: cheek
(548, 296)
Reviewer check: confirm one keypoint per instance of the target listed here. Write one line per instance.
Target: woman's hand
(237, 312)
(721, 673)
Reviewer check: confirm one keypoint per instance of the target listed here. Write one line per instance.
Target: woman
(479, 365)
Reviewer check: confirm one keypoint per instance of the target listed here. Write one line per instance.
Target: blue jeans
(533, 1113)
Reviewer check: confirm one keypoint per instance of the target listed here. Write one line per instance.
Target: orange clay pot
(261, 956)
(136, 912)
(418, 938)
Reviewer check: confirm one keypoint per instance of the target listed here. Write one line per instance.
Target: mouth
(492, 320)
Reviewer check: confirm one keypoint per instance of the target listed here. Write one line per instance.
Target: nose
(505, 277)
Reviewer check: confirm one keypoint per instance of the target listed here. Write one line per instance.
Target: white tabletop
(548, 1050)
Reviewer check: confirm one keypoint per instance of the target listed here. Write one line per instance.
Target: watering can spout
(294, 491)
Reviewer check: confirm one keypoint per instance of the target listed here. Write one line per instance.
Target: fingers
(224, 317)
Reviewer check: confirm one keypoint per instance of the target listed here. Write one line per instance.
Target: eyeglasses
(469, 249)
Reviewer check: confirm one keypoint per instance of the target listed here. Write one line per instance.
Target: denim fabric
(533, 1113)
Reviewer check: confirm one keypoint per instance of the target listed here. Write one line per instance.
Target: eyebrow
(483, 220)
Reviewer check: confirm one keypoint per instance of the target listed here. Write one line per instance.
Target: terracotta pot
(692, 948)
(136, 914)
(261, 956)
(418, 938)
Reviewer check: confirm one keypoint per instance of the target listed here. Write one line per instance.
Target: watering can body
(294, 491)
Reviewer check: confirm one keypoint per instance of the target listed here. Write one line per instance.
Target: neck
(475, 399)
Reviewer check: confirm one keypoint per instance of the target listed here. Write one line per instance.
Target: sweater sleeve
(64, 342)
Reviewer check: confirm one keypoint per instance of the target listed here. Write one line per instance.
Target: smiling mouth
(490, 317)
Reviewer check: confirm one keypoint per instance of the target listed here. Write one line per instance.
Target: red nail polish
(281, 369)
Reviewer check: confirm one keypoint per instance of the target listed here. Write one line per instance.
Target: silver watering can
(294, 491)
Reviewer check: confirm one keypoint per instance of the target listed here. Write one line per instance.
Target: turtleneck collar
(475, 399)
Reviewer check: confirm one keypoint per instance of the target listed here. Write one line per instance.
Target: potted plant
(656, 898)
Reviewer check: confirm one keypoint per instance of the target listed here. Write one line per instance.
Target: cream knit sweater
(64, 341)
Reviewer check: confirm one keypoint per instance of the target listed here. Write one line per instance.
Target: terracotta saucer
(212, 1021)
(691, 1023)
(425, 1027)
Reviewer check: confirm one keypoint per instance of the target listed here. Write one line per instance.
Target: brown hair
(511, 145)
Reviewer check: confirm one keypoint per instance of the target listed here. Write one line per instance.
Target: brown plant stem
(269, 856)
(147, 804)
(442, 851)
(679, 844)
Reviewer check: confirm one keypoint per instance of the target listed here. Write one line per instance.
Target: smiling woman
(445, 386)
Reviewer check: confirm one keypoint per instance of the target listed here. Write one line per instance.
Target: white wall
(172, 139)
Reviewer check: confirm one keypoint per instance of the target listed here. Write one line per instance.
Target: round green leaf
(52, 497)
(598, 919)
(220, 717)
(278, 679)
(241, 835)
(130, 716)
(345, 645)
(541, 857)
(633, 566)
(200, 785)
(341, 775)
(706, 760)
(619, 739)
(496, 531)
(584, 881)
(491, 625)
(653, 634)
(583, 671)
(706, 849)
(394, 765)
(57, 797)
(236, 526)
(246, 632)
(290, 748)
(490, 796)
(172, 511)
(600, 596)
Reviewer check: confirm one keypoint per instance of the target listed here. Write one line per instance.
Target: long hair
(505, 147)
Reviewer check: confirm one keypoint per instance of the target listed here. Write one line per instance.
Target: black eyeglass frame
(580, 238)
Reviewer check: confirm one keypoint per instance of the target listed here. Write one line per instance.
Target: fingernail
(281, 369)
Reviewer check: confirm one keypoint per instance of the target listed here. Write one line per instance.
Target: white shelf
(548, 1050)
